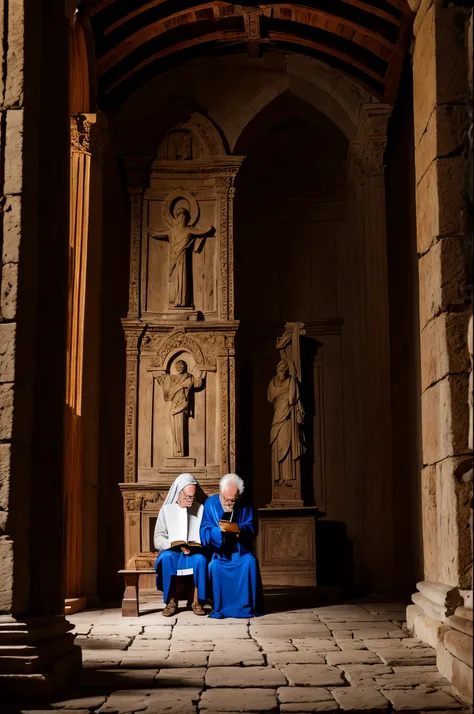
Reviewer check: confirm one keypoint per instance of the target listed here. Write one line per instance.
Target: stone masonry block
(7, 352)
(441, 271)
(9, 292)
(438, 63)
(460, 645)
(6, 411)
(14, 81)
(11, 229)
(6, 574)
(14, 152)
(445, 419)
(459, 673)
(453, 497)
(2, 40)
(429, 524)
(5, 456)
(439, 201)
(443, 347)
(444, 135)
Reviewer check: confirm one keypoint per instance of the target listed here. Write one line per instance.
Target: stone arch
(195, 138)
(306, 91)
(284, 105)
(178, 342)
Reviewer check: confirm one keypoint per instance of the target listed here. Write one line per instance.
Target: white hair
(231, 478)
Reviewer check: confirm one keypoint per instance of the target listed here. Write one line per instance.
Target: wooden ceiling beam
(327, 49)
(241, 37)
(319, 19)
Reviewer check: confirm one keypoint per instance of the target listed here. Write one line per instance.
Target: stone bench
(131, 601)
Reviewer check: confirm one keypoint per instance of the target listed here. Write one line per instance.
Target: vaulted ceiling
(137, 39)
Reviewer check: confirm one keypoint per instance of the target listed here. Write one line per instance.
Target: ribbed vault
(365, 39)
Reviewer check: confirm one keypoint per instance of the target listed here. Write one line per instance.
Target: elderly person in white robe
(178, 541)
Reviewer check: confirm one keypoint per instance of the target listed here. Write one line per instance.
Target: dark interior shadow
(334, 556)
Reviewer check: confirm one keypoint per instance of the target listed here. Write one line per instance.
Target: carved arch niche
(206, 357)
(191, 171)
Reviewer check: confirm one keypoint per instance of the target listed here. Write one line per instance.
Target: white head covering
(177, 486)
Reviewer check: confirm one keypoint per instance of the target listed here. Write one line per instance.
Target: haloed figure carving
(182, 235)
(177, 389)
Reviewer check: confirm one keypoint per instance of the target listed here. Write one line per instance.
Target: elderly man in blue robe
(228, 531)
(177, 539)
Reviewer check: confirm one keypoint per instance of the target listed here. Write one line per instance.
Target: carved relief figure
(179, 145)
(286, 435)
(177, 389)
(181, 236)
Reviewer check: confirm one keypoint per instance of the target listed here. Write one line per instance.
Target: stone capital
(371, 137)
(80, 127)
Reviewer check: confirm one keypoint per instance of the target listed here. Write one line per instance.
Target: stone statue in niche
(182, 236)
(177, 389)
(180, 145)
(286, 435)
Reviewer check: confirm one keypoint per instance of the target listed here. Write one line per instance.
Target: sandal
(170, 609)
(197, 608)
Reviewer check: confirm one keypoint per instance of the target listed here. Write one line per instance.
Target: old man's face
(229, 496)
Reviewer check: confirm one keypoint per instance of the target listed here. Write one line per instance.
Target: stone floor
(352, 658)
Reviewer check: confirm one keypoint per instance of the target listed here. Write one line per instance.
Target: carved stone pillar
(37, 652)
(442, 81)
(372, 351)
(88, 136)
(132, 337)
(80, 169)
(136, 193)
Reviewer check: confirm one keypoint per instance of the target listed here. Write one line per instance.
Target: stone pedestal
(286, 546)
(442, 617)
(37, 656)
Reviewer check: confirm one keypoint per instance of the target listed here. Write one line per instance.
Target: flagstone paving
(340, 658)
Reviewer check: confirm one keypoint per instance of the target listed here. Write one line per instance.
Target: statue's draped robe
(171, 562)
(281, 431)
(176, 390)
(180, 239)
(233, 570)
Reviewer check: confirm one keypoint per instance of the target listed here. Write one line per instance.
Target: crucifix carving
(182, 236)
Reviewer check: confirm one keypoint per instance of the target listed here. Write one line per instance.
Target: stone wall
(442, 72)
(34, 169)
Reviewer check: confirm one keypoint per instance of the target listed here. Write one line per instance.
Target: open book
(183, 525)
(227, 522)
(188, 544)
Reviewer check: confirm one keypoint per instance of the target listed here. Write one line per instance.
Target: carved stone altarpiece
(180, 327)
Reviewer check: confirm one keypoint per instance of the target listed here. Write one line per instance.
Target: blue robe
(233, 570)
(169, 562)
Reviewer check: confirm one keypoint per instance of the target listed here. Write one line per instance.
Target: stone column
(80, 168)
(34, 158)
(441, 97)
(85, 235)
(370, 324)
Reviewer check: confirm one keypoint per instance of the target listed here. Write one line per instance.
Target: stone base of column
(441, 620)
(38, 656)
